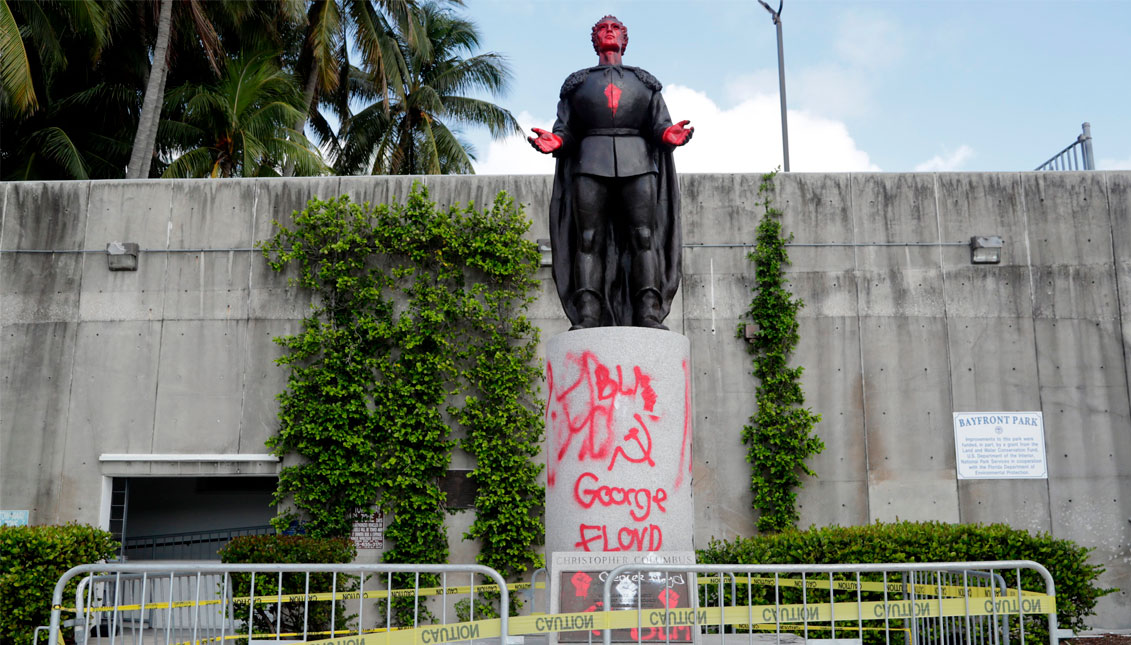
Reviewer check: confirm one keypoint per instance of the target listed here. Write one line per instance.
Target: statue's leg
(639, 197)
(589, 199)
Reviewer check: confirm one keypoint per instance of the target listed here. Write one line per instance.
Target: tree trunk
(308, 101)
(146, 137)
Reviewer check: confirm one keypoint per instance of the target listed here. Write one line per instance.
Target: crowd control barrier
(957, 603)
(948, 603)
(197, 603)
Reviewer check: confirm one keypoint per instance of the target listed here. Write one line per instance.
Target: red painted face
(609, 36)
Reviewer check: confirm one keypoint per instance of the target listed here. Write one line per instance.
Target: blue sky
(895, 85)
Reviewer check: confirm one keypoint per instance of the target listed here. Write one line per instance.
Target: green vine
(416, 334)
(779, 436)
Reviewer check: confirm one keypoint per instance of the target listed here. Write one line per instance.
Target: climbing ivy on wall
(779, 436)
(416, 344)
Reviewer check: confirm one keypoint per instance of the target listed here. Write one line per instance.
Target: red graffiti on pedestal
(581, 419)
(583, 412)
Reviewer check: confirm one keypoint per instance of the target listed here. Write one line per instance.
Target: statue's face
(609, 35)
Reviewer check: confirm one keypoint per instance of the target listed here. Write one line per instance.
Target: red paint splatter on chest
(612, 92)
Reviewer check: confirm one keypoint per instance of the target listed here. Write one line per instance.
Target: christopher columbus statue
(614, 214)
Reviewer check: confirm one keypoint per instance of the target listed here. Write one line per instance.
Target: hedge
(32, 559)
(901, 542)
(258, 549)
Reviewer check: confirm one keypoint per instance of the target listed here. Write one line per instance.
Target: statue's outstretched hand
(545, 142)
(677, 134)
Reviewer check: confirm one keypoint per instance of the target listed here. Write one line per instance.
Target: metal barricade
(971, 603)
(545, 573)
(1077, 156)
(981, 630)
(199, 603)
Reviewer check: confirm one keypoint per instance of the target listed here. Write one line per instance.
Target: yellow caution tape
(741, 615)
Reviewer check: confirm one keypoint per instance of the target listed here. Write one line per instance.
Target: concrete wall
(177, 357)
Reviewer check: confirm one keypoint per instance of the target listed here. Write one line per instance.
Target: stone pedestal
(618, 437)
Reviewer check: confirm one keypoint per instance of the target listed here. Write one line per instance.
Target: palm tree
(373, 26)
(238, 126)
(69, 97)
(201, 31)
(410, 127)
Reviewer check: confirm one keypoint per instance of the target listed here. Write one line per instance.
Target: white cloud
(1109, 163)
(513, 155)
(744, 138)
(747, 137)
(947, 160)
(829, 89)
(748, 86)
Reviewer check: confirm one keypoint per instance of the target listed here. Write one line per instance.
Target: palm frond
(455, 155)
(15, 70)
(89, 18)
(197, 162)
(324, 38)
(477, 112)
(57, 146)
(489, 72)
(38, 30)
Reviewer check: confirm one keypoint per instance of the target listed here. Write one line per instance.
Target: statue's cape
(667, 240)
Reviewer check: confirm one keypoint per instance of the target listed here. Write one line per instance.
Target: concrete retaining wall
(177, 357)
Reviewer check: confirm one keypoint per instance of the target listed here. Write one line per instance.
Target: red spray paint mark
(625, 538)
(588, 406)
(669, 598)
(587, 491)
(580, 581)
(633, 434)
(612, 92)
(594, 607)
(673, 634)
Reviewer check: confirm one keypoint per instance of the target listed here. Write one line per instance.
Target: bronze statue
(614, 213)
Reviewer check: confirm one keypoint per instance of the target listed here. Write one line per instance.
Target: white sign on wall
(368, 529)
(13, 518)
(1000, 445)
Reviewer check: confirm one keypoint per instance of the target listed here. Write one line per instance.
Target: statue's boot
(646, 310)
(588, 304)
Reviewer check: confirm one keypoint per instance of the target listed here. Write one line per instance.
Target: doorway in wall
(188, 518)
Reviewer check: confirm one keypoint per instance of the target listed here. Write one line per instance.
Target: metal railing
(208, 602)
(195, 545)
(971, 603)
(1077, 156)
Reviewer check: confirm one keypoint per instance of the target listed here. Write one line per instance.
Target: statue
(614, 212)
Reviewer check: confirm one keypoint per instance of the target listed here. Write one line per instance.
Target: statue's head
(605, 31)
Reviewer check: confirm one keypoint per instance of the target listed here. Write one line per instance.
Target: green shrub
(900, 542)
(263, 549)
(32, 559)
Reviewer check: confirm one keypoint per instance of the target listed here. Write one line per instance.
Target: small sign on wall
(14, 518)
(1000, 445)
(368, 529)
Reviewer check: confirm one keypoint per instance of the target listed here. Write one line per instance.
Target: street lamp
(781, 81)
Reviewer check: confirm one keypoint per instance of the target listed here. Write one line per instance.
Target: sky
(871, 85)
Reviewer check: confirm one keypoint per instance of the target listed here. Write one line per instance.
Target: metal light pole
(781, 82)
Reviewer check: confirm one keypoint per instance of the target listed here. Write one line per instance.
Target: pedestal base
(618, 424)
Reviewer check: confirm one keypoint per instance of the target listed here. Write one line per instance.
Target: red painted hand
(545, 142)
(677, 135)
